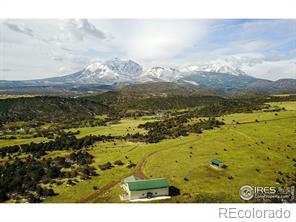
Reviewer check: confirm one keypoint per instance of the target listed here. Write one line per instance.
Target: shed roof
(148, 184)
(216, 161)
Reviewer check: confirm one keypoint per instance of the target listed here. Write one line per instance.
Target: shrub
(131, 165)
(71, 183)
(224, 166)
(106, 166)
(118, 163)
(3, 196)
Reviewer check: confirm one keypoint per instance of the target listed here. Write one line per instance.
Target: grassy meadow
(254, 146)
(118, 129)
(253, 151)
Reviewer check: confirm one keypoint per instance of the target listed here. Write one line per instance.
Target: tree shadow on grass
(174, 191)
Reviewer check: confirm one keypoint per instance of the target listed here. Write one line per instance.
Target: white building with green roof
(139, 189)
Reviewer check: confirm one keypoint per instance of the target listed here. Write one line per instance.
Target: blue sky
(40, 48)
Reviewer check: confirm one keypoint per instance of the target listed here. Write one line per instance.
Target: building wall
(143, 193)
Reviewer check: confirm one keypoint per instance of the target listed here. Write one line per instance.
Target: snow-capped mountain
(217, 67)
(160, 74)
(219, 74)
(127, 71)
(117, 72)
(192, 68)
(109, 72)
(125, 67)
(223, 68)
(98, 72)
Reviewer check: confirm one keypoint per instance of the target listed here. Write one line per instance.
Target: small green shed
(217, 163)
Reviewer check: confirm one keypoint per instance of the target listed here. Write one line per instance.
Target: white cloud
(43, 48)
(38, 48)
(81, 27)
(155, 40)
(273, 70)
(18, 27)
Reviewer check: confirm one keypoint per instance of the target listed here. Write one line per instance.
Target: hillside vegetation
(62, 149)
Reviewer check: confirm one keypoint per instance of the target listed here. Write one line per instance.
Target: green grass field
(243, 154)
(103, 152)
(267, 145)
(290, 105)
(15, 96)
(8, 142)
(122, 128)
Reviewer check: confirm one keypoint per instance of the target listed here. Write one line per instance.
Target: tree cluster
(23, 178)
(64, 142)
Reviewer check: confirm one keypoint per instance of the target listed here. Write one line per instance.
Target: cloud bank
(32, 49)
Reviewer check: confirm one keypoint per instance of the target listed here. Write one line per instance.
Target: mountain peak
(125, 70)
(93, 66)
(219, 74)
(161, 73)
(217, 67)
(124, 67)
(109, 72)
(223, 68)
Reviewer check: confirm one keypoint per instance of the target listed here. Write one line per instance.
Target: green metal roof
(148, 184)
(216, 161)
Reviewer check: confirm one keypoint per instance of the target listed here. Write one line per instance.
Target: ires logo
(248, 192)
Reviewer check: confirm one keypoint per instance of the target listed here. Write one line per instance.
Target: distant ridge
(116, 73)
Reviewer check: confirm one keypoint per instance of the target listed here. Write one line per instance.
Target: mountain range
(115, 73)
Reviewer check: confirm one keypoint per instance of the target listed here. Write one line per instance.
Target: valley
(147, 110)
(93, 142)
